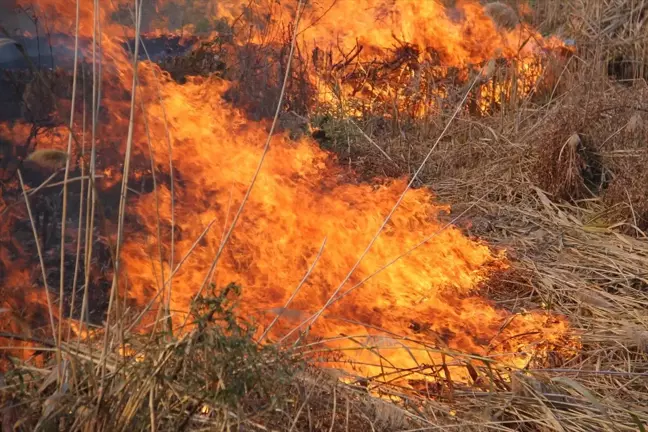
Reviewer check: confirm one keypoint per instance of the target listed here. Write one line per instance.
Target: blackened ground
(24, 101)
(19, 242)
(10, 97)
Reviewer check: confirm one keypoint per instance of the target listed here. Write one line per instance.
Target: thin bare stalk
(65, 185)
(124, 192)
(77, 257)
(166, 300)
(173, 273)
(40, 254)
(412, 249)
(91, 198)
(157, 197)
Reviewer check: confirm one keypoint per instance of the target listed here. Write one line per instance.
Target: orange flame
(418, 284)
(300, 199)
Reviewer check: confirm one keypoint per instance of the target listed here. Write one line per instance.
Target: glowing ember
(417, 287)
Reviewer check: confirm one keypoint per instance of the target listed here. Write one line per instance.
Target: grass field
(120, 314)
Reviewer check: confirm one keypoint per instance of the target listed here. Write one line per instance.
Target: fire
(301, 199)
(459, 36)
(414, 292)
(399, 53)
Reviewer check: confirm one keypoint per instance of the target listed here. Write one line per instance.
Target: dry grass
(559, 183)
(561, 186)
(610, 33)
(212, 377)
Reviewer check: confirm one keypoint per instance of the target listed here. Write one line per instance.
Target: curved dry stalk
(165, 284)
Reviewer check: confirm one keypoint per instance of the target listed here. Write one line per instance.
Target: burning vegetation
(183, 243)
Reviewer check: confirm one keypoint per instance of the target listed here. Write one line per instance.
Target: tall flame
(418, 284)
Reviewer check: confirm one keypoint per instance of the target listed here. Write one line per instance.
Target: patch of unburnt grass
(214, 375)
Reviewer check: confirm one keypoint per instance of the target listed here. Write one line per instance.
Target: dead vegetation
(215, 376)
(560, 184)
(502, 14)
